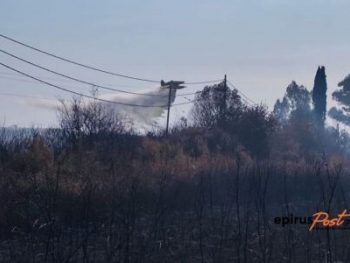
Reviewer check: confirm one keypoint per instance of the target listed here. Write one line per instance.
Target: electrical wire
(204, 82)
(88, 96)
(77, 93)
(93, 67)
(76, 79)
(77, 63)
(94, 98)
(246, 97)
(84, 81)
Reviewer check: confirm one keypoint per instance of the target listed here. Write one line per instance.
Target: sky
(262, 45)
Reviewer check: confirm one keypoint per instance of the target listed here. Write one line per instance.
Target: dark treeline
(94, 190)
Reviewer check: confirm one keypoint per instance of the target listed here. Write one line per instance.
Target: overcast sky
(261, 45)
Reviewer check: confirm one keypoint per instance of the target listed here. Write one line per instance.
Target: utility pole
(171, 85)
(223, 104)
(225, 91)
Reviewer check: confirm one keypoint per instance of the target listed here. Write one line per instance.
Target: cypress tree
(319, 95)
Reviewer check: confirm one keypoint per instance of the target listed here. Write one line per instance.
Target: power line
(93, 67)
(88, 96)
(34, 81)
(84, 81)
(183, 103)
(77, 93)
(17, 79)
(203, 82)
(22, 79)
(29, 81)
(246, 97)
(187, 94)
(75, 79)
(45, 98)
(13, 75)
(194, 93)
(103, 100)
(77, 63)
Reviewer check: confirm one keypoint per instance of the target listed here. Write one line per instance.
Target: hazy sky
(261, 45)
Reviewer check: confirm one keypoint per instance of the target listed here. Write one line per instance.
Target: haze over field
(261, 45)
(258, 93)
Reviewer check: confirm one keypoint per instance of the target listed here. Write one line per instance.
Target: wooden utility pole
(225, 91)
(171, 85)
(223, 104)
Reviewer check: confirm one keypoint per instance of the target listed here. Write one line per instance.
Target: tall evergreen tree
(319, 95)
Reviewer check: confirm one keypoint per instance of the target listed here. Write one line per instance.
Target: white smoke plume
(48, 104)
(140, 115)
(144, 115)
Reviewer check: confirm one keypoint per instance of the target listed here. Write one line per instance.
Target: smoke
(145, 115)
(140, 115)
(46, 104)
